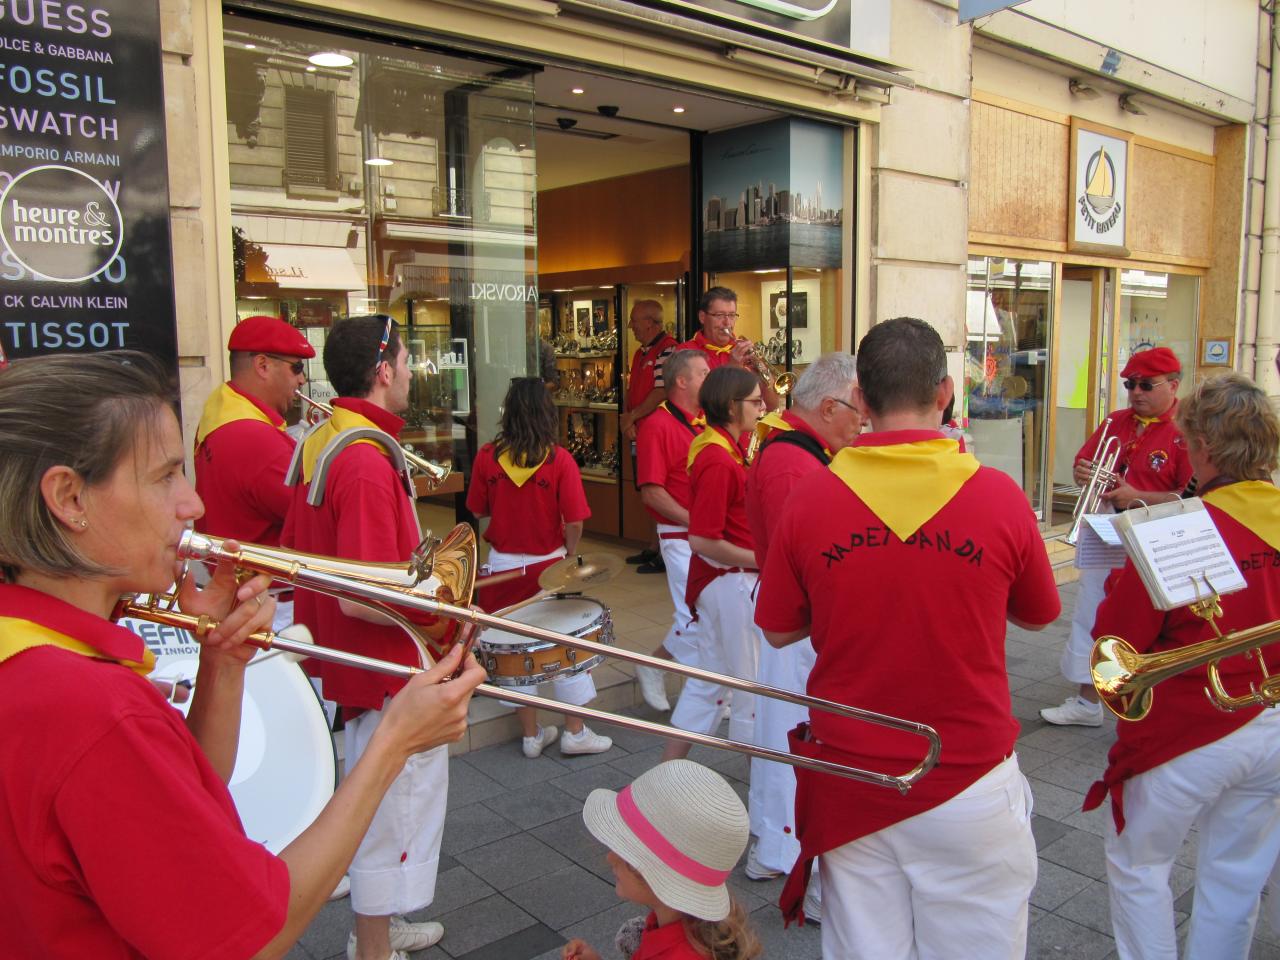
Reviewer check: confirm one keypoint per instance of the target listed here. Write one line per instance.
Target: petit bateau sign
(1098, 201)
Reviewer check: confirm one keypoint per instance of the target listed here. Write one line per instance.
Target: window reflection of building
(369, 178)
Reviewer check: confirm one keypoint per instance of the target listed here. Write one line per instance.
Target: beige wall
(919, 160)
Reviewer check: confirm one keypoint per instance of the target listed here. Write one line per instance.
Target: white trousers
(772, 800)
(682, 639)
(394, 870)
(952, 882)
(1075, 655)
(1231, 790)
(728, 643)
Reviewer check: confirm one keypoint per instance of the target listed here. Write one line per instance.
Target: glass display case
(588, 388)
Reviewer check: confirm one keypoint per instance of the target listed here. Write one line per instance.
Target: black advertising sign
(85, 262)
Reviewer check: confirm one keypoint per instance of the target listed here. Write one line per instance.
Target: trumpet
(1124, 678)
(1102, 477)
(444, 592)
(780, 383)
(433, 473)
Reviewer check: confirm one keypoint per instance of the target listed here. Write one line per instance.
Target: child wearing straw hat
(673, 836)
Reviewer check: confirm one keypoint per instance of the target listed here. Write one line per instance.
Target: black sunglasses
(297, 366)
(1146, 386)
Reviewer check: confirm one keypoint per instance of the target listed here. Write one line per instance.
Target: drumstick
(496, 578)
(540, 595)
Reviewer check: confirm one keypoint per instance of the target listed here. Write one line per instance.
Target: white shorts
(394, 870)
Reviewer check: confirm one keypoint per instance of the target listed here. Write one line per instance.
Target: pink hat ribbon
(648, 834)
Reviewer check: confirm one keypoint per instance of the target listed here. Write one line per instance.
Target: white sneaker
(342, 889)
(584, 741)
(812, 908)
(1074, 712)
(652, 687)
(756, 870)
(532, 746)
(405, 937)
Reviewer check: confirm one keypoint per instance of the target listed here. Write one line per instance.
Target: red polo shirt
(365, 515)
(668, 942)
(716, 357)
(529, 518)
(118, 838)
(915, 629)
(1182, 719)
(718, 508)
(1153, 457)
(646, 368)
(662, 453)
(777, 468)
(240, 470)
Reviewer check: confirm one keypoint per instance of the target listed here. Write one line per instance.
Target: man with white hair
(822, 420)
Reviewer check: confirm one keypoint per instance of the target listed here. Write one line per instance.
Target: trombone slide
(292, 568)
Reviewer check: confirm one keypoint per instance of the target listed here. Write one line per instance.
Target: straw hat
(682, 827)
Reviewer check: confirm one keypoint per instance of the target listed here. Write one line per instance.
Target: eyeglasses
(382, 346)
(758, 401)
(724, 316)
(843, 404)
(1146, 386)
(296, 366)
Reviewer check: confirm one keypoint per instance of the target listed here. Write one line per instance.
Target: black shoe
(644, 556)
(653, 566)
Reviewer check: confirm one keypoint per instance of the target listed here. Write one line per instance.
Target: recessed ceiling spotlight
(577, 91)
(311, 69)
(677, 109)
(378, 162)
(251, 46)
(330, 58)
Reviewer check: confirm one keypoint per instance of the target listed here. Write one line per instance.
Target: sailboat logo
(1098, 204)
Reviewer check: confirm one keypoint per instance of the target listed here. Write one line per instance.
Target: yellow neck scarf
(1251, 503)
(771, 421)
(711, 347)
(711, 437)
(342, 419)
(905, 484)
(226, 406)
(17, 635)
(518, 475)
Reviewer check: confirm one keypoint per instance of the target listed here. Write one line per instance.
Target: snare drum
(515, 661)
(286, 767)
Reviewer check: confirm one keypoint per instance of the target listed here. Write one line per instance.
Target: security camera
(566, 123)
(607, 110)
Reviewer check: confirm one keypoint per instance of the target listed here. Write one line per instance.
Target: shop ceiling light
(311, 69)
(577, 91)
(251, 46)
(677, 109)
(378, 162)
(330, 58)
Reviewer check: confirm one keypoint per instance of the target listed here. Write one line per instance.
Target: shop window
(1159, 310)
(1007, 321)
(310, 141)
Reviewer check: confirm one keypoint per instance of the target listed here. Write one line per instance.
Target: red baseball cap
(1152, 363)
(262, 334)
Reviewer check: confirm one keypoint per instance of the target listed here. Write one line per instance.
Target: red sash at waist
(702, 575)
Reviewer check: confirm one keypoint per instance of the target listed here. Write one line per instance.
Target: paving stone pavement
(520, 875)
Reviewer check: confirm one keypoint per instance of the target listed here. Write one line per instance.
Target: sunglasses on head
(382, 345)
(1146, 386)
(296, 366)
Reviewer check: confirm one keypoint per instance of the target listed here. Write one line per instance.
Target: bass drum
(286, 767)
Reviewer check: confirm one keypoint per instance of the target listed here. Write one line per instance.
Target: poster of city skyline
(773, 195)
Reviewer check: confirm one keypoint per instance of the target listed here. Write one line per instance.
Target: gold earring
(83, 522)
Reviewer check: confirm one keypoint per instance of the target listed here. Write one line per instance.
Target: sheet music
(1177, 553)
(1099, 546)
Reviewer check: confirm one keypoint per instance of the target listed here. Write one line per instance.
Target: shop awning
(295, 267)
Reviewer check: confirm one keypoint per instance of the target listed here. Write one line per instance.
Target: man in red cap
(242, 450)
(1153, 468)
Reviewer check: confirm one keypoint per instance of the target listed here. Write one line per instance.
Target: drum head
(286, 768)
(574, 616)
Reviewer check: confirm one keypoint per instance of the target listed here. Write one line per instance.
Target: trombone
(433, 473)
(438, 581)
(1124, 678)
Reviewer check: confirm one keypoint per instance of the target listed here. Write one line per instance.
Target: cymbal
(585, 569)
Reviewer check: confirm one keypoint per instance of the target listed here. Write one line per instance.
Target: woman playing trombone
(110, 798)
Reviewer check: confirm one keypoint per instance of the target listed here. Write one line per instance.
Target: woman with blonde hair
(1188, 763)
